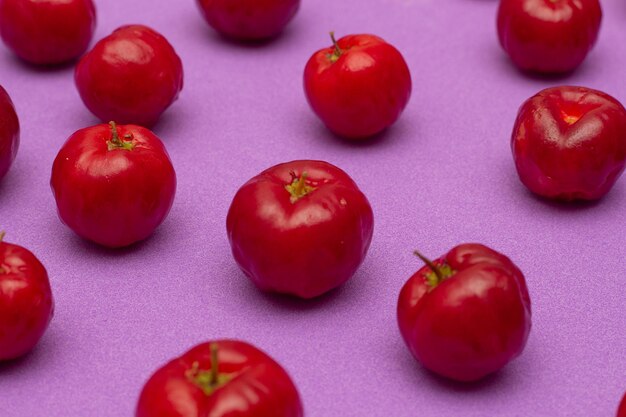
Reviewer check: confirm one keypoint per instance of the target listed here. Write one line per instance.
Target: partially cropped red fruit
(621, 412)
(222, 378)
(9, 132)
(548, 36)
(359, 86)
(26, 304)
(47, 32)
(113, 184)
(132, 76)
(466, 314)
(569, 143)
(249, 20)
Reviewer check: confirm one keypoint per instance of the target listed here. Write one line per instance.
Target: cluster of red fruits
(303, 227)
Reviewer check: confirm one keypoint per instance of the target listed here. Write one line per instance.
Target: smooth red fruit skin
(113, 197)
(26, 303)
(9, 132)
(259, 387)
(303, 248)
(569, 143)
(249, 20)
(548, 36)
(363, 91)
(471, 324)
(130, 76)
(621, 412)
(47, 32)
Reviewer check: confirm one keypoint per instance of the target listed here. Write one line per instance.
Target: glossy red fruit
(249, 20)
(548, 36)
(26, 304)
(9, 132)
(113, 184)
(47, 32)
(131, 76)
(300, 228)
(359, 86)
(222, 378)
(569, 143)
(467, 314)
(621, 412)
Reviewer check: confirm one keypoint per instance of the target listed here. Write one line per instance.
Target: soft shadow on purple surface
(41, 354)
(388, 137)
(202, 29)
(586, 69)
(356, 288)
(415, 373)
(170, 123)
(22, 65)
(14, 180)
(612, 198)
(79, 244)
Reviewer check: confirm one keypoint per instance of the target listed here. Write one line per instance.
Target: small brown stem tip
(430, 264)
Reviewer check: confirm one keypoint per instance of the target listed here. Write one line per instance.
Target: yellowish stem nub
(208, 381)
(116, 142)
(298, 187)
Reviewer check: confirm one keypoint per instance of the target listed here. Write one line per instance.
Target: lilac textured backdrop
(443, 175)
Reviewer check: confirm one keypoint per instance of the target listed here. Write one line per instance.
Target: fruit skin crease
(568, 143)
(359, 87)
(305, 247)
(474, 321)
(250, 384)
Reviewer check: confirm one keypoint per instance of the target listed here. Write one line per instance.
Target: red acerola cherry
(9, 132)
(248, 20)
(548, 36)
(131, 76)
(47, 32)
(466, 314)
(569, 143)
(359, 86)
(26, 303)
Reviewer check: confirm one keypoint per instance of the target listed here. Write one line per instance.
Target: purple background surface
(443, 175)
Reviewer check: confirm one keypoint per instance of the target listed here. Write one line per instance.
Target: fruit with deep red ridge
(569, 143)
(466, 314)
(220, 378)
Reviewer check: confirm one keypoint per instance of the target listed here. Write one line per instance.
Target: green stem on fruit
(214, 365)
(208, 381)
(337, 52)
(439, 273)
(298, 187)
(431, 265)
(116, 142)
